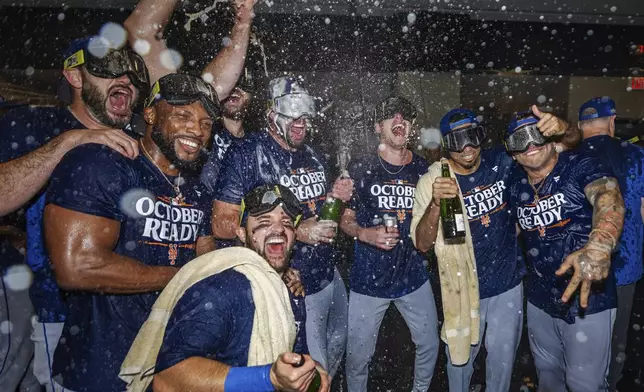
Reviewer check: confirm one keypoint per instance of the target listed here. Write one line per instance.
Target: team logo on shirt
(483, 201)
(306, 183)
(545, 214)
(395, 195)
(222, 146)
(165, 222)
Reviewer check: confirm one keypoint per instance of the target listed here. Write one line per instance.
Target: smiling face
(181, 132)
(236, 104)
(110, 101)
(394, 131)
(272, 236)
(536, 157)
(470, 157)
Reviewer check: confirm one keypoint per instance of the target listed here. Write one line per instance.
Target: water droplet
(581, 337)
(636, 327)
(141, 47)
(613, 9)
(327, 20)
(6, 327)
(534, 252)
(130, 245)
(61, 16)
(74, 330)
(171, 59)
(490, 83)
(405, 29)
(541, 99)
(29, 70)
(18, 277)
(411, 18)
(207, 77)
(114, 34)
(208, 306)
(504, 8)
(517, 70)
(590, 32)
(381, 147)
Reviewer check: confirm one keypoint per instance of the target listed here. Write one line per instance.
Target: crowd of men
(191, 257)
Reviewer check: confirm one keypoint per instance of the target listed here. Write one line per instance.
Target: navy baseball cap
(465, 116)
(520, 120)
(596, 108)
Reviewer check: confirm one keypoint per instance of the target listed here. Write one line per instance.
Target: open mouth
(532, 150)
(276, 245)
(190, 146)
(297, 132)
(120, 100)
(399, 130)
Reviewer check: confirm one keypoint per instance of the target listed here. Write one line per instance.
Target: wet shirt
(384, 189)
(214, 320)
(627, 162)
(156, 229)
(555, 227)
(23, 130)
(221, 140)
(260, 160)
(486, 192)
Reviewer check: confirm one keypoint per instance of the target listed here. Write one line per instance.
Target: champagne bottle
(452, 217)
(316, 383)
(332, 207)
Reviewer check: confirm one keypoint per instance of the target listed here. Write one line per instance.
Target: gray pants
(573, 355)
(45, 337)
(625, 296)
(365, 316)
(326, 324)
(16, 350)
(501, 326)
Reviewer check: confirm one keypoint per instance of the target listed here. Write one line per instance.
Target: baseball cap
(184, 89)
(455, 118)
(266, 198)
(596, 108)
(522, 132)
(289, 98)
(103, 60)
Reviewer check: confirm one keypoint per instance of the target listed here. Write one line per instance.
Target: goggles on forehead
(184, 89)
(266, 198)
(520, 140)
(392, 106)
(114, 64)
(459, 139)
(294, 105)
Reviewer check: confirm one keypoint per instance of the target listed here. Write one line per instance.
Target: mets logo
(485, 220)
(311, 205)
(173, 252)
(542, 231)
(401, 215)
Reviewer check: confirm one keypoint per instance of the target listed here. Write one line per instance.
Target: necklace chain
(543, 181)
(383, 166)
(176, 187)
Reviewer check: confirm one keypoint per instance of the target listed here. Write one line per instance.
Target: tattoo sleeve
(608, 213)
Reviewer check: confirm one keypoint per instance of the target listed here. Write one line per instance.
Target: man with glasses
(117, 230)
(386, 267)
(280, 155)
(482, 177)
(101, 92)
(570, 212)
(246, 328)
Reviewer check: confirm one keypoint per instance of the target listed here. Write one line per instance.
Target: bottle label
(460, 222)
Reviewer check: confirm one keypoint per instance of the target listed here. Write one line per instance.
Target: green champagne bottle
(332, 207)
(314, 386)
(452, 217)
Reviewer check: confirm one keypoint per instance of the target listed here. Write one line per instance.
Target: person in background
(626, 161)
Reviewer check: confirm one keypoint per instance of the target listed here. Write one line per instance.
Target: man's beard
(96, 101)
(261, 252)
(166, 146)
(236, 114)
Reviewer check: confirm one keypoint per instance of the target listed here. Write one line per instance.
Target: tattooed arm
(592, 262)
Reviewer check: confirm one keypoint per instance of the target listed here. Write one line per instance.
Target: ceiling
(616, 12)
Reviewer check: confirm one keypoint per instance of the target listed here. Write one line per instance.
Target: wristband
(249, 379)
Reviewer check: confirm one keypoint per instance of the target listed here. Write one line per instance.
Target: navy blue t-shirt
(499, 263)
(259, 160)
(214, 320)
(95, 180)
(379, 192)
(627, 162)
(23, 130)
(555, 227)
(221, 140)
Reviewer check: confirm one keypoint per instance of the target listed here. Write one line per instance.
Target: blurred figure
(102, 92)
(387, 268)
(280, 155)
(236, 307)
(430, 141)
(117, 230)
(626, 161)
(570, 213)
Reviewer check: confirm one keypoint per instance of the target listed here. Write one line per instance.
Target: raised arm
(145, 27)
(227, 66)
(592, 262)
(22, 178)
(81, 249)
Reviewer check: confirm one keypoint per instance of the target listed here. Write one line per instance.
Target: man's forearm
(195, 374)
(227, 66)
(427, 228)
(608, 213)
(111, 273)
(350, 227)
(24, 177)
